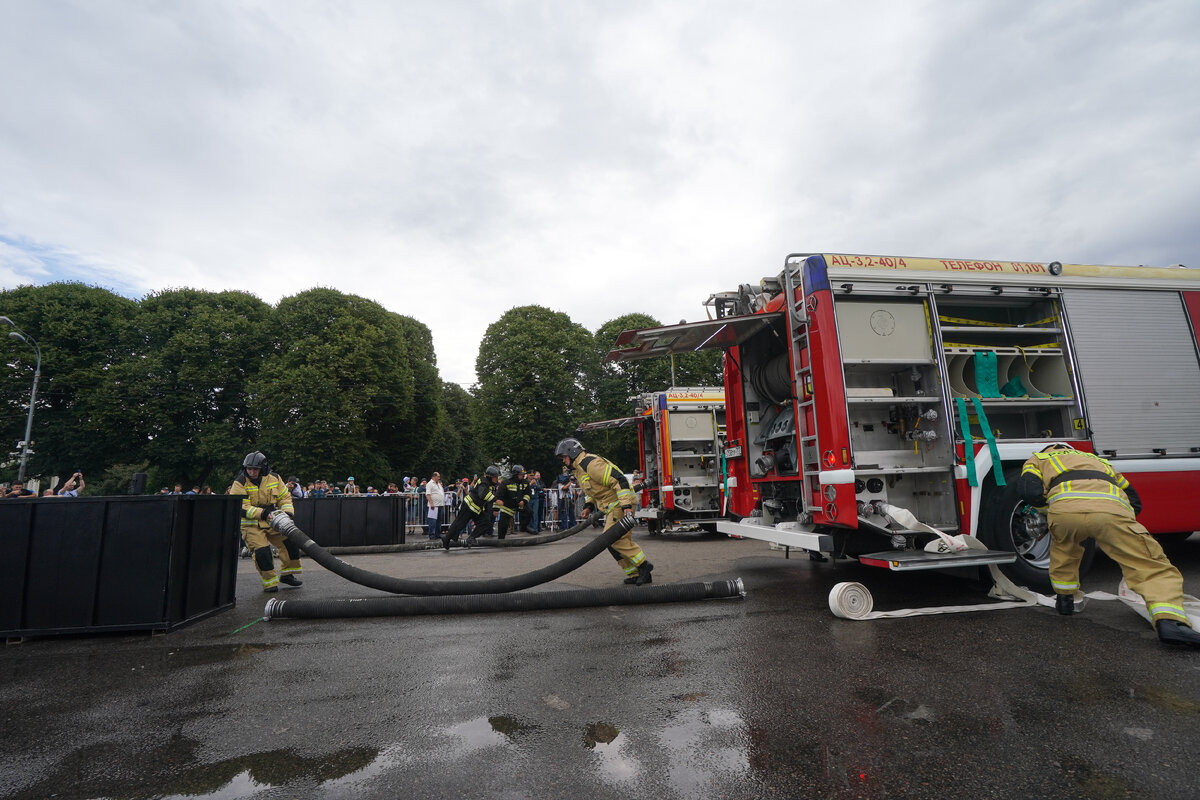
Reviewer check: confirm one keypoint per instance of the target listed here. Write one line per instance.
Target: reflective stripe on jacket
(1078, 494)
(480, 496)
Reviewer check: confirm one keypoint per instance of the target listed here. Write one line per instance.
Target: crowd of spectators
(554, 504)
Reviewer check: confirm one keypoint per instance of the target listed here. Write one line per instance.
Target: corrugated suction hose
(524, 601)
(385, 583)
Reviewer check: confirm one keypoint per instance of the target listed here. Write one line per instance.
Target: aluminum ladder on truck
(808, 437)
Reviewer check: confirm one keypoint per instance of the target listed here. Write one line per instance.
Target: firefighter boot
(644, 576)
(1174, 632)
(1064, 604)
(290, 580)
(446, 542)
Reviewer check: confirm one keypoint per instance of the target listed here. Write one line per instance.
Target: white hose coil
(850, 601)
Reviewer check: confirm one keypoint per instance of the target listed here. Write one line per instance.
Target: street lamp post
(17, 333)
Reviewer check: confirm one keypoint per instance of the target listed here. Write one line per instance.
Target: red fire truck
(681, 434)
(857, 383)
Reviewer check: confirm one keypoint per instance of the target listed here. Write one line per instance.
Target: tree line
(183, 383)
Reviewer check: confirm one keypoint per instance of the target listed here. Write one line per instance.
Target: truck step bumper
(908, 560)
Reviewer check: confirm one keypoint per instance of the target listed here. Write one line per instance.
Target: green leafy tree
(194, 357)
(455, 452)
(536, 382)
(343, 378)
(80, 421)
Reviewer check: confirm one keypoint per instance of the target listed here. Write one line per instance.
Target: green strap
(986, 427)
(968, 442)
(987, 381)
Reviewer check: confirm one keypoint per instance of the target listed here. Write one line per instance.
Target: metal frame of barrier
(107, 564)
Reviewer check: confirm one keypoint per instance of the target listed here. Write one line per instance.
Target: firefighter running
(513, 497)
(476, 507)
(1089, 499)
(264, 494)
(607, 489)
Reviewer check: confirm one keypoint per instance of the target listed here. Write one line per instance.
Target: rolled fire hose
(284, 524)
(522, 601)
(408, 547)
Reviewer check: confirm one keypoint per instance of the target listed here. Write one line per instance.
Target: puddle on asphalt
(701, 748)
(216, 654)
(704, 748)
(245, 775)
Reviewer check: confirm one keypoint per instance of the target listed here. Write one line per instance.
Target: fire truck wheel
(1007, 523)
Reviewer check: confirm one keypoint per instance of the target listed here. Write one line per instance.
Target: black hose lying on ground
(408, 547)
(385, 583)
(541, 538)
(523, 601)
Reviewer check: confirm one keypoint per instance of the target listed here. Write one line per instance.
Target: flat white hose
(854, 601)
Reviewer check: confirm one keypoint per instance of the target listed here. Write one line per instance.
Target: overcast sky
(452, 160)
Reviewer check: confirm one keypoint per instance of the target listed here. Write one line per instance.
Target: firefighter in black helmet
(513, 497)
(264, 494)
(606, 489)
(1088, 499)
(476, 507)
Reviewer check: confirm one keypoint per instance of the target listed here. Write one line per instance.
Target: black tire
(1005, 524)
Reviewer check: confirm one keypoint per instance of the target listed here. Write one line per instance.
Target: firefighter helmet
(492, 472)
(517, 469)
(571, 448)
(256, 460)
(1057, 446)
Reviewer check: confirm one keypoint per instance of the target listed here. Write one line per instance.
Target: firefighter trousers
(628, 554)
(504, 521)
(482, 522)
(257, 539)
(1123, 539)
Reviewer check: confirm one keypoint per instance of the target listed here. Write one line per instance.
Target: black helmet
(517, 469)
(256, 459)
(571, 448)
(492, 472)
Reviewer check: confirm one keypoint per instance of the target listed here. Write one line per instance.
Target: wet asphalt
(766, 696)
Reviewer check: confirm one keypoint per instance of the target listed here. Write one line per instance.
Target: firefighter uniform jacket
(269, 494)
(480, 496)
(513, 492)
(1070, 480)
(604, 486)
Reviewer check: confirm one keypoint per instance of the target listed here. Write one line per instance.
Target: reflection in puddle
(705, 748)
(615, 763)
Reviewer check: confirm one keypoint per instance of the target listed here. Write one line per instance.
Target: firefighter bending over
(513, 494)
(476, 507)
(1089, 499)
(264, 494)
(606, 488)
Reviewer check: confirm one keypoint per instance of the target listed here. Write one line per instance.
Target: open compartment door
(688, 337)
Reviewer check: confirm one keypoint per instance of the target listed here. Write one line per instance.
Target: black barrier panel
(83, 565)
(135, 566)
(352, 521)
(15, 517)
(327, 521)
(384, 523)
